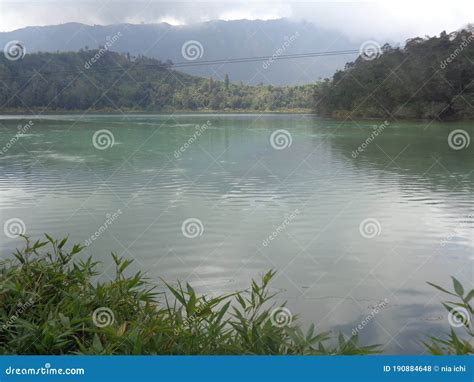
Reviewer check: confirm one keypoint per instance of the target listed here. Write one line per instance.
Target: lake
(355, 216)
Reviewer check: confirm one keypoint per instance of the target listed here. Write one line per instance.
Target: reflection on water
(310, 198)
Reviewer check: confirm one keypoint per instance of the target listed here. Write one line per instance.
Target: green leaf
(441, 289)
(97, 344)
(191, 305)
(469, 296)
(458, 287)
(61, 244)
(222, 312)
(64, 320)
(176, 294)
(267, 277)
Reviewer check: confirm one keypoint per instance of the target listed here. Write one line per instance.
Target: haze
(390, 20)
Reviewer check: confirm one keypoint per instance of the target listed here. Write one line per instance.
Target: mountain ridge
(219, 39)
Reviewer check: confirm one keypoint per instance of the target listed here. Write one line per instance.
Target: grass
(50, 303)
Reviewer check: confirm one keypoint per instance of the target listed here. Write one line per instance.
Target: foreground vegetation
(130, 83)
(428, 78)
(460, 315)
(52, 304)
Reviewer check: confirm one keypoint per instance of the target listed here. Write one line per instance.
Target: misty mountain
(206, 41)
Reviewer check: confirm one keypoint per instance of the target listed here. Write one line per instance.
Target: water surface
(310, 197)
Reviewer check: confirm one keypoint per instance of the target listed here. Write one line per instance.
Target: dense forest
(428, 78)
(103, 80)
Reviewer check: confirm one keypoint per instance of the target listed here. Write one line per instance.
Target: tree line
(105, 80)
(429, 77)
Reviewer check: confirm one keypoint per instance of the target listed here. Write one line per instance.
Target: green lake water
(348, 231)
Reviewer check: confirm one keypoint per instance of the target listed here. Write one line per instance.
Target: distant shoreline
(28, 113)
(160, 112)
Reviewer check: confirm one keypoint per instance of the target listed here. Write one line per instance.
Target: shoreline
(28, 113)
(153, 112)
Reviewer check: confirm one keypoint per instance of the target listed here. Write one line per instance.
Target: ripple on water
(426, 226)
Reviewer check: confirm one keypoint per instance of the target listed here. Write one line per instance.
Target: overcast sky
(390, 20)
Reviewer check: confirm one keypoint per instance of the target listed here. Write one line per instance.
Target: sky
(390, 20)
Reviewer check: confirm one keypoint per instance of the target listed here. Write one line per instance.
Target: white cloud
(388, 20)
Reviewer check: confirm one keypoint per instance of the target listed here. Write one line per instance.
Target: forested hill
(428, 78)
(214, 40)
(105, 80)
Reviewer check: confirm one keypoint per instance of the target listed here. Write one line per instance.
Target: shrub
(50, 304)
(459, 316)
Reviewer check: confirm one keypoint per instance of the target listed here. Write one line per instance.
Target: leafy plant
(50, 304)
(460, 315)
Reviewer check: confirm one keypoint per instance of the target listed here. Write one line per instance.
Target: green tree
(226, 81)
